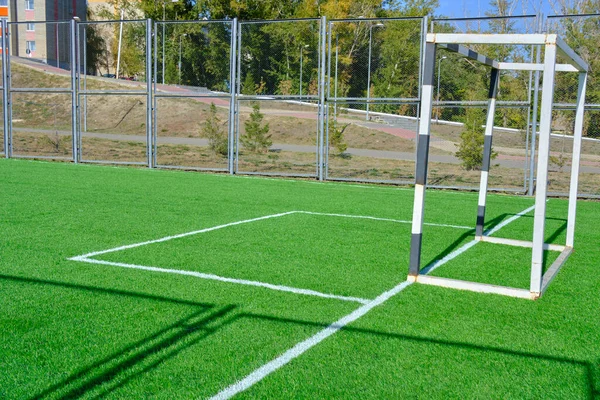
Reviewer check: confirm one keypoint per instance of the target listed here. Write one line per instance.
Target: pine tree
(256, 138)
(470, 149)
(213, 130)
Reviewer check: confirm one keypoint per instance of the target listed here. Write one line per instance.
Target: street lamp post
(301, 53)
(379, 25)
(437, 114)
(180, 36)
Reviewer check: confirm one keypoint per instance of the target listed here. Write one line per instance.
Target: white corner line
(166, 238)
(300, 348)
(213, 277)
(382, 219)
(262, 372)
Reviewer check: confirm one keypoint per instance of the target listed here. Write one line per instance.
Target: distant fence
(315, 98)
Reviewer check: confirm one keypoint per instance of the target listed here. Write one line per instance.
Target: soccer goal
(553, 46)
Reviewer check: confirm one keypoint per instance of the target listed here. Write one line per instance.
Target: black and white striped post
(487, 151)
(422, 158)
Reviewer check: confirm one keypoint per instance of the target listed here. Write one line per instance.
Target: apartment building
(35, 35)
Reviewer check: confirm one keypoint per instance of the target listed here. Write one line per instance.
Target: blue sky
(476, 8)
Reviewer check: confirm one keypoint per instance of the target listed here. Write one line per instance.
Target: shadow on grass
(590, 369)
(117, 369)
(459, 241)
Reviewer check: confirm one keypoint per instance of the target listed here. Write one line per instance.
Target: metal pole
(534, 117)
(163, 44)
(369, 72)
(74, 94)
(301, 51)
(575, 158)
(232, 94)
(422, 160)
(57, 46)
(180, 36)
(369, 66)
(437, 114)
(326, 145)
(84, 44)
(238, 86)
(8, 76)
(5, 90)
(487, 152)
(335, 81)
(539, 219)
(154, 103)
(149, 92)
(77, 63)
(120, 40)
(321, 130)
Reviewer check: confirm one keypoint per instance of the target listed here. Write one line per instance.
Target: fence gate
(193, 94)
(280, 67)
(39, 95)
(114, 112)
(373, 98)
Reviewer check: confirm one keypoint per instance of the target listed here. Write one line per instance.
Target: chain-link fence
(39, 104)
(373, 94)
(582, 34)
(114, 109)
(280, 80)
(193, 65)
(335, 100)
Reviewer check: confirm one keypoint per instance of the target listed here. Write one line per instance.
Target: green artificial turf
(73, 329)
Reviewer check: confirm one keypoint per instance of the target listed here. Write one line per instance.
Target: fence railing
(330, 100)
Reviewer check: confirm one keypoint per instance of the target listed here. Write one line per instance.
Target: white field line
(87, 257)
(166, 238)
(300, 348)
(262, 372)
(201, 275)
(382, 219)
(214, 228)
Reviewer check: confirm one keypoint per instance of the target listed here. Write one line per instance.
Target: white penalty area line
(399, 221)
(262, 372)
(245, 221)
(213, 277)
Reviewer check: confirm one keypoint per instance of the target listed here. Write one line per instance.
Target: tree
(336, 137)
(470, 149)
(256, 138)
(96, 50)
(213, 130)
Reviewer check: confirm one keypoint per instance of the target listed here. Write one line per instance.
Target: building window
(30, 26)
(29, 4)
(30, 46)
(3, 3)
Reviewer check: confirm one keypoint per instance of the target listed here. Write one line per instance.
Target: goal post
(553, 47)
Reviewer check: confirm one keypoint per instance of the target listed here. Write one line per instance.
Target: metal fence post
(328, 79)
(149, 97)
(238, 87)
(232, 94)
(5, 90)
(154, 104)
(74, 93)
(321, 130)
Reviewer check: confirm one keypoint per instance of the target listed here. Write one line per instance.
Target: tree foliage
(256, 138)
(213, 129)
(470, 149)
